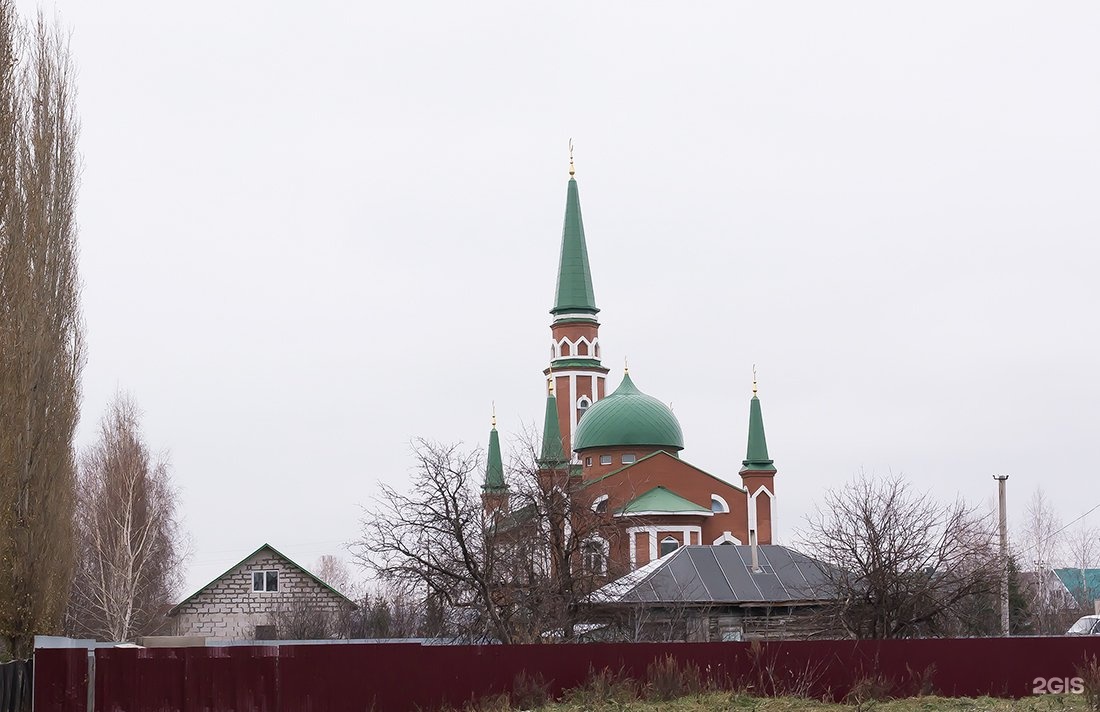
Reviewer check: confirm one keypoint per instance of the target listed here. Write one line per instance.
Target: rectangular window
(605, 459)
(628, 459)
(588, 462)
(265, 581)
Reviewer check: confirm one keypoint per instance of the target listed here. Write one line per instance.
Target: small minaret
(494, 493)
(758, 476)
(575, 344)
(553, 463)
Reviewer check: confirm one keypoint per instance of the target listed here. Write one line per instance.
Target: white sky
(312, 231)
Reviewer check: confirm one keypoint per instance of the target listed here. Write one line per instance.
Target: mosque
(622, 451)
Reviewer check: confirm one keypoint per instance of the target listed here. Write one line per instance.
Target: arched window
(718, 504)
(600, 505)
(669, 545)
(582, 405)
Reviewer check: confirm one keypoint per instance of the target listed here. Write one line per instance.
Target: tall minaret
(758, 475)
(575, 365)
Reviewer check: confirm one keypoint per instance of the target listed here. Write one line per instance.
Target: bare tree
(1041, 533)
(514, 574)
(334, 571)
(41, 334)
(436, 542)
(1083, 547)
(1041, 540)
(903, 564)
(130, 550)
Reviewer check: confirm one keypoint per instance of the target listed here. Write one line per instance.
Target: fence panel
(61, 680)
(395, 677)
(15, 686)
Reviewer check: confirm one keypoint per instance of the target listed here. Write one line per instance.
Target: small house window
(265, 581)
(266, 632)
(669, 545)
(588, 462)
(605, 459)
(629, 459)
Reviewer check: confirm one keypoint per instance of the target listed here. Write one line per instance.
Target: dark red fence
(395, 677)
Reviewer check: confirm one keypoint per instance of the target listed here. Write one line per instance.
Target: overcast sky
(312, 231)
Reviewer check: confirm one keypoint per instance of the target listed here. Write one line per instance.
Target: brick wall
(229, 608)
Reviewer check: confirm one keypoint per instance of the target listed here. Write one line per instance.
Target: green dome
(628, 417)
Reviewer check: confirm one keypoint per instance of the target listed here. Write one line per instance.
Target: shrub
(666, 679)
(530, 691)
(602, 687)
(1089, 672)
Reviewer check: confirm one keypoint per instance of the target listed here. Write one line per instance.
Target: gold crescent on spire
(754, 380)
(494, 415)
(572, 170)
(626, 365)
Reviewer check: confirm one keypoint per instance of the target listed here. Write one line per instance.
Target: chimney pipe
(755, 552)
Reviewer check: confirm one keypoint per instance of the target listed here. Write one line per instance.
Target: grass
(730, 702)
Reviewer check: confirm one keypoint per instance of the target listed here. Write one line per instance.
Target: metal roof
(664, 501)
(707, 575)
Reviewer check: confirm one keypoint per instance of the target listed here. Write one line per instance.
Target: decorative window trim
(722, 501)
(597, 502)
(726, 538)
(661, 553)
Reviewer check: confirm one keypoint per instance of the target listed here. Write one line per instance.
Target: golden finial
(626, 366)
(572, 170)
(494, 415)
(754, 380)
(550, 385)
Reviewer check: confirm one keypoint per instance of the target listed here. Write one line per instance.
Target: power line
(1048, 537)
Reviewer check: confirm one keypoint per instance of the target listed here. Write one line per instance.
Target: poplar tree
(41, 335)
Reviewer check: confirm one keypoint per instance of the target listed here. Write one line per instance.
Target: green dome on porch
(629, 417)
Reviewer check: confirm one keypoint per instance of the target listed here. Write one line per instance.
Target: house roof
(240, 563)
(660, 500)
(659, 453)
(708, 575)
(1083, 584)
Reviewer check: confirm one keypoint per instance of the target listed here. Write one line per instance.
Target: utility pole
(1001, 479)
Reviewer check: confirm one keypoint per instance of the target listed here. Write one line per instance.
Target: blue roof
(1083, 584)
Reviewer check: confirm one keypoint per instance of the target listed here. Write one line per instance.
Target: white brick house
(256, 597)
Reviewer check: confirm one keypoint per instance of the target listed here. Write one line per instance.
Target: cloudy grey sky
(311, 231)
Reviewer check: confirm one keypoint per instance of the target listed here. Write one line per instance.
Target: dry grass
(726, 702)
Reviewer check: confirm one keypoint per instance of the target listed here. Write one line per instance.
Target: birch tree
(41, 334)
(129, 539)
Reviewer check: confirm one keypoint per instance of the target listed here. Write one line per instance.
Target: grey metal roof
(721, 575)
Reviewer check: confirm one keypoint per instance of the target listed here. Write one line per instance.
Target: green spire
(552, 451)
(574, 292)
(494, 470)
(756, 459)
